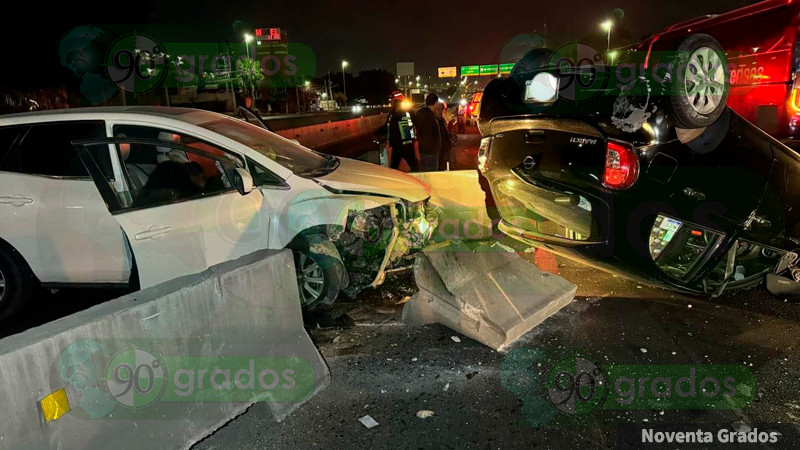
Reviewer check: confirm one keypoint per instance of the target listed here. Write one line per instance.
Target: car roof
(189, 115)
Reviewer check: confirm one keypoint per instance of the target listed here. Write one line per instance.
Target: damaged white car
(134, 196)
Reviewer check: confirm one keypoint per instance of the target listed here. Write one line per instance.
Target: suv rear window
(46, 149)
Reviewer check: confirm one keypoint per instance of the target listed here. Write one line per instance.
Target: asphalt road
(390, 371)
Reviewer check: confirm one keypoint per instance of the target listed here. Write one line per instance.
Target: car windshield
(300, 160)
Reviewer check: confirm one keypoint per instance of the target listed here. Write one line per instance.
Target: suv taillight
(622, 166)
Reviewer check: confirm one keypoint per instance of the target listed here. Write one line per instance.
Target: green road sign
(505, 69)
(470, 70)
(489, 69)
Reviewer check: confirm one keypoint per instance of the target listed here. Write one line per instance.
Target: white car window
(159, 175)
(46, 149)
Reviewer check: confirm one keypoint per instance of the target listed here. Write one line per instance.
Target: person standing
(400, 134)
(446, 155)
(429, 137)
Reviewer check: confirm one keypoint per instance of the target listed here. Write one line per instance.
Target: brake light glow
(794, 103)
(622, 166)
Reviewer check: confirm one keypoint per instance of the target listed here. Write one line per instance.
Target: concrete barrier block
(488, 294)
(203, 349)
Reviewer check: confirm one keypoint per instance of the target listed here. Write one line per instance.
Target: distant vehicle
(679, 191)
(417, 98)
(134, 196)
(762, 45)
(474, 108)
(328, 105)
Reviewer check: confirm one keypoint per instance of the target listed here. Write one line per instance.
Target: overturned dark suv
(639, 168)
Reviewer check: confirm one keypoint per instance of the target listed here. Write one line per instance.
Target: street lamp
(344, 85)
(607, 27)
(247, 39)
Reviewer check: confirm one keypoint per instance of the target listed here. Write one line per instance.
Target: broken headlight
(419, 221)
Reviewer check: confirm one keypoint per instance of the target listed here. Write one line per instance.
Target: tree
(340, 98)
(249, 75)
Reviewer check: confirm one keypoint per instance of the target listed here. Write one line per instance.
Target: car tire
(319, 269)
(17, 283)
(700, 83)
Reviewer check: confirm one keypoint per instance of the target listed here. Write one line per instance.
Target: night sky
(368, 34)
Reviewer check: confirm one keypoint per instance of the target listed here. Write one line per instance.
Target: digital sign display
(268, 34)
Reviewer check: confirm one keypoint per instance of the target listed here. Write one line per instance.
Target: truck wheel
(700, 82)
(16, 283)
(319, 269)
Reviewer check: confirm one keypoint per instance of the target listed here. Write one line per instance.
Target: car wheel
(319, 270)
(16, 283)
(700, 85)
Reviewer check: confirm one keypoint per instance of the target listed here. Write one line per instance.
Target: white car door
(182, 213)
(50, 210)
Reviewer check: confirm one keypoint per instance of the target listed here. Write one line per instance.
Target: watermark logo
(137, 63)
(106, 63)
(136, 378)
(577, 386)
(554, 388)
(581, 71)
(82, 51)
(122, 379)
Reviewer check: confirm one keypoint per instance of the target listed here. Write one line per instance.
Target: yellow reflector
(54, 405)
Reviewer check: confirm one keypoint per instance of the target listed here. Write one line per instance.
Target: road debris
(424, 413)
(455, 338)
(484, 291)
(471, 374)
(368, 422)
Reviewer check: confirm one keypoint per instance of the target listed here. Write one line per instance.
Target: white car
(134, 196)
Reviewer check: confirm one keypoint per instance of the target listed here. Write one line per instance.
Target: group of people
(425, 131)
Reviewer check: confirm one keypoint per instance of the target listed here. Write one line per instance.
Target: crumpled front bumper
(383, 239)
(414, 226)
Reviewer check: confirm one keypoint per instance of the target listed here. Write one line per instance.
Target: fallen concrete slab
(165, 366)
(484, 291)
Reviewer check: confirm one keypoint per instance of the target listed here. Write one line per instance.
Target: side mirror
(243, 181)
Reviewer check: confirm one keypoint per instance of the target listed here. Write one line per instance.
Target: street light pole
(247, 39)
(607, 26)
(344, 83)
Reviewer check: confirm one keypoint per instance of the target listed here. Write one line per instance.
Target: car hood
(363, 177)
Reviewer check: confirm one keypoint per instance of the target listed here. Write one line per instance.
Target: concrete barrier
(484, 292)
(317, 135)
(166, 366)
